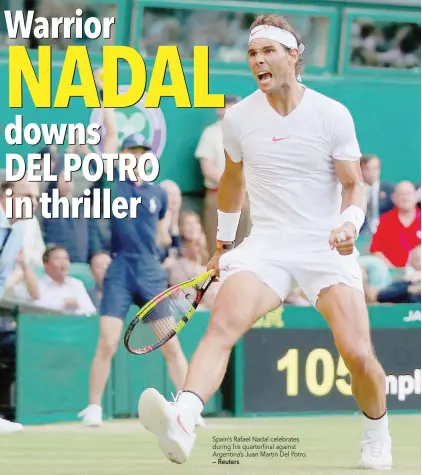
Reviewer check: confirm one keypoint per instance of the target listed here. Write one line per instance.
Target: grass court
(123, 447)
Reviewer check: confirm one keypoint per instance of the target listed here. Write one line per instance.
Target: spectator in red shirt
(399, 230)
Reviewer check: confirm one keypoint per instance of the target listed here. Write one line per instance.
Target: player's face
(270, 64)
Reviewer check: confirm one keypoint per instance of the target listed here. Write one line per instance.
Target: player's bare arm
(353, 206)
(231, 194)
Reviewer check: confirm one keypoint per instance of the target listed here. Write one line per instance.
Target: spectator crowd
(225, 32)
(373, 42)
(386, 44)
(63, 261)
(391, 238)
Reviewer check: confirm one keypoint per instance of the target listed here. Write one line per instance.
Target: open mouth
(264, 77)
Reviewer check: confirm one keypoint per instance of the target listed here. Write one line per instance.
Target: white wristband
(227, 225)
(353, 214)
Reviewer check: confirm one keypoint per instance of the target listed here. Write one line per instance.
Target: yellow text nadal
(77, 60)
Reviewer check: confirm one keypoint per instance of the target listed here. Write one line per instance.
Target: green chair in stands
(78, 270)
(82, 271)
(39, 270)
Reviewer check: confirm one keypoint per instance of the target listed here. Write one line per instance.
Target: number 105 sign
(300, 371)
(321, 373)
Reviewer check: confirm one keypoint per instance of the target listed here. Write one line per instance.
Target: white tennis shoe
(8, 427)
(173, 424)
(376, 450)
(200, 422)
(92, 416)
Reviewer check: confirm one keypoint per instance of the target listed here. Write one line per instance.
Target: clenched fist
(343, 239)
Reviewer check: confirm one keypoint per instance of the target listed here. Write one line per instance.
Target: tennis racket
(166, 314)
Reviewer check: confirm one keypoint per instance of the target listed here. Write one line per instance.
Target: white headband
(277, 34)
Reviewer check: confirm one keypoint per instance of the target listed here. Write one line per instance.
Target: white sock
(191, 401)
(377, 424)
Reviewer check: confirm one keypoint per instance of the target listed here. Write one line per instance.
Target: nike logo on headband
(277, 34)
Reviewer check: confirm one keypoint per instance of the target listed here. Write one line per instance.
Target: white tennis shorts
(278, 262)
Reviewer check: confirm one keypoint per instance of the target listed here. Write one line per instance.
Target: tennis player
(135, 274)
(297, 152)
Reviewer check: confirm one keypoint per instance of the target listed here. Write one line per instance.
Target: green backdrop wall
(55, 354)
(53, 366)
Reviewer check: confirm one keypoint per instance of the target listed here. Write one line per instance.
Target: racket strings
(175, 305)
(160, 320)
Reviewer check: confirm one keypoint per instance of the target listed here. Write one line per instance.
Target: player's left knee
(360, 362)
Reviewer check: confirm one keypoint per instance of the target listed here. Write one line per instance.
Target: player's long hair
(280, 22)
